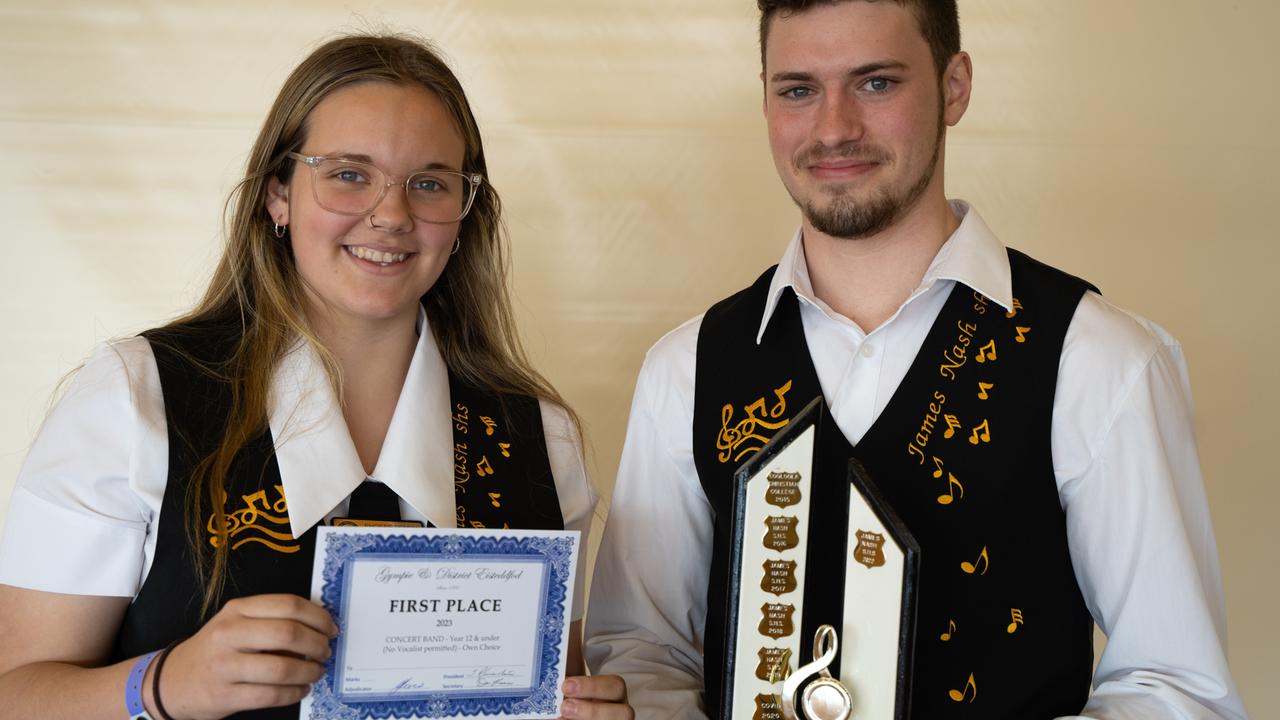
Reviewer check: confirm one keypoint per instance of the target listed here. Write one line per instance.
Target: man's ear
(764, 95)
(277, 203)
(957, 84)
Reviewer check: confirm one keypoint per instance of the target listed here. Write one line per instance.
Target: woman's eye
(349, 175)
(428, 185)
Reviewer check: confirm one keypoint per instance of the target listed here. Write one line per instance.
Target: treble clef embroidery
(254, 523)
(732, 438)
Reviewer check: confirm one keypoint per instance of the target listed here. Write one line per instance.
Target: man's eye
(878, 84)
(796, 93)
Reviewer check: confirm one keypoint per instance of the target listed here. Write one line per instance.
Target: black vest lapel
(501, 473)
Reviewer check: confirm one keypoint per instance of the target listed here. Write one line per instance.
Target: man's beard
(844, 217)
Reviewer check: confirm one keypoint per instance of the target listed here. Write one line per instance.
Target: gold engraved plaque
(781, 534)
(768, 659)
(779, 576)
(784, 489)
(870, 549)
(767, 708)
(777, 622)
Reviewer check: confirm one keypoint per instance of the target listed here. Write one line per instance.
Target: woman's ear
(277, 203)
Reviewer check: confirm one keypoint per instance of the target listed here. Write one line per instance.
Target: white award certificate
(440, 623)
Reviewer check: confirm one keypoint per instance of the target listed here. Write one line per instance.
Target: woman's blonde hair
(256, 286)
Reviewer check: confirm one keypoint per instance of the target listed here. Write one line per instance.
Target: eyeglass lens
(355, 188)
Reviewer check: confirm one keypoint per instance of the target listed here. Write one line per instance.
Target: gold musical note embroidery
(950, 495)
(1016, 615)
(505, 448)
(1022, 334)
(953, 424)
(987, 352)
(744, 432)
(983, 387)
(483, 467)
(951, 628)
(981, 433)
(489, 425)
(1017, 305)
(970, 568)
(494, 499)
(937, 466)
(970, 686)
(254, 521)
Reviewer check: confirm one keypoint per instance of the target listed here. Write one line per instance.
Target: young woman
(354, 360)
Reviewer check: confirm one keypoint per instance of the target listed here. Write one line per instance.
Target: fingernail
(569, 709)
(570, 687)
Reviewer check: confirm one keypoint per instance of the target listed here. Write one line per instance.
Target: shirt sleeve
(577, 495)
(1138, 521)
(78, 522)
(648, 597)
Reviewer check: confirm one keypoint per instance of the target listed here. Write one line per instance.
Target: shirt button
(868, 350)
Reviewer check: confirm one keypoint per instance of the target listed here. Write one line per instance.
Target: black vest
(962, 453)
(499, 447)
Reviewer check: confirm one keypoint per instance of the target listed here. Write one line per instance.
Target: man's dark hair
(939, 23)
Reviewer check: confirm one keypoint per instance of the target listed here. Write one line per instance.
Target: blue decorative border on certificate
(555, 554)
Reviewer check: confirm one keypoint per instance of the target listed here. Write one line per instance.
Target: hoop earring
(279, 230)
(457, 243)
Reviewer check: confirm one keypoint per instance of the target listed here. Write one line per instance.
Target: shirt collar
(319, 466)
(972, 256)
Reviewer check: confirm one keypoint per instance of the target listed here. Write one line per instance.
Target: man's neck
(868, 279)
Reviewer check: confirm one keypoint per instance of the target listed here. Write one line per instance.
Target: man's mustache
(857, 152)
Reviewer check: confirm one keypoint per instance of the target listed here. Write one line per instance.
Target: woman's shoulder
(206, 341)
(115, 371)
(119, 384)
(558, 425)
(92, 478)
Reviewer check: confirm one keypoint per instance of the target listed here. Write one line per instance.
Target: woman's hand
(600, 697)
(259, 651)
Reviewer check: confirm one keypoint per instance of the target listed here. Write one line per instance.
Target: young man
(1057, 425)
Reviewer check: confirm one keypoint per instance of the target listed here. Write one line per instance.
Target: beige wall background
(1130, 143)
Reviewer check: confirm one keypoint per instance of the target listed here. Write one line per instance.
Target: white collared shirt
(87, 501)
(1124, 458)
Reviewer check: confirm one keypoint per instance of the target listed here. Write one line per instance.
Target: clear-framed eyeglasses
(355, 187)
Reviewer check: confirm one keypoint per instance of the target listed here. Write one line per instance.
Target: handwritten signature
(408, 685)
(486, 676)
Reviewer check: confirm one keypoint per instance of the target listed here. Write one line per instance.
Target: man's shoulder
(673, 357)
(1099, 327)
(679, 347)
(1113, 342)
(667, 377)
